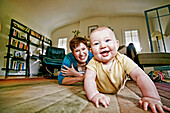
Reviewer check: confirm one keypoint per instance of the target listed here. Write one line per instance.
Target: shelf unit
(21, 40)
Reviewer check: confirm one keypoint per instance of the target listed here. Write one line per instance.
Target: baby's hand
(154, 104)
(101, 98)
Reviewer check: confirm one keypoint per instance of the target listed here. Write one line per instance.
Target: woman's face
(81, 53)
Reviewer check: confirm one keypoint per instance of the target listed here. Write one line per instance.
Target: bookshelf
(23, 44)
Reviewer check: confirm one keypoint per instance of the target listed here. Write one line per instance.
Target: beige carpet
(47, 96)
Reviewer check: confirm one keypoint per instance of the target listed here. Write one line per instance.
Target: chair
(53, 60)
(131, 53)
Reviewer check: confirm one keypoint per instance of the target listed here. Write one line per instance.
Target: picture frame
(91, 28)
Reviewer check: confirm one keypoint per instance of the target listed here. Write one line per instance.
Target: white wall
(118, 24)
(5, 25)
(64, 32)
(100, 21)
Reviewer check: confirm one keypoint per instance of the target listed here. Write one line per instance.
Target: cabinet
(24, 44)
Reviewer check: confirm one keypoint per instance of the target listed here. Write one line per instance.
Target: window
(62, 43)
(132, 36)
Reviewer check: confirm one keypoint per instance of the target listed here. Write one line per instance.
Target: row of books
(35, 34)
(40, 37)
(18, 34)
(22, 27)
(17, 65)
(32, 32)
(28, 30)
(19, 44)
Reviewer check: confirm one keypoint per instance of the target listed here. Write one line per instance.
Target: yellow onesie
(114, 80)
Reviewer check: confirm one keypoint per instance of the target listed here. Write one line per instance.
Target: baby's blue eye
(96, 43)
(107, 40)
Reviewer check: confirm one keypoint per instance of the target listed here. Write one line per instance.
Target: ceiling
(53, 14)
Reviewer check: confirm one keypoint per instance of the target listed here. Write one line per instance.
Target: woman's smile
(82, 57)
(81, 53)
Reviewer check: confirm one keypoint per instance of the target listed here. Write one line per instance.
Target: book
(17, 66)
(21, 45)
(15, 33)
(26, 47)
(14, 63)
(27, 30)
(15, 24)
(11, 63)
(16, 44)
(32, 32)
(12, 41)
(19, 35)
(22, 66)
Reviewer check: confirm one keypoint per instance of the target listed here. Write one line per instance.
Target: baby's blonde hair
(102, 28)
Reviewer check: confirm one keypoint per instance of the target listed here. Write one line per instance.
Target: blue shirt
(68, 60)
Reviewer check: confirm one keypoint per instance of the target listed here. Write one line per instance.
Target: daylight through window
(62, 43)
(132, 36)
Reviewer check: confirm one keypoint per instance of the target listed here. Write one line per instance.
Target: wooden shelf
(20, 40)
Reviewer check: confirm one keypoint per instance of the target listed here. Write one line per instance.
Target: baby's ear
(117, 44)
(91, 50)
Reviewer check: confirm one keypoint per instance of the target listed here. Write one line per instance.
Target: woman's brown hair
(76, 42)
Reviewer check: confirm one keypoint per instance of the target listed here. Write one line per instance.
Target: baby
(106, 73)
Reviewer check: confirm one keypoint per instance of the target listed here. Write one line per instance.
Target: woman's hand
(70, 71)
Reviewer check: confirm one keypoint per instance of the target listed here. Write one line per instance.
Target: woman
(74, 63)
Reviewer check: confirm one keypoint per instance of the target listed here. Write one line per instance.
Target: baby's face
(104, 45)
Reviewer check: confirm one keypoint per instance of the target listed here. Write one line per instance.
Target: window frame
(65, 45)
(124, 38)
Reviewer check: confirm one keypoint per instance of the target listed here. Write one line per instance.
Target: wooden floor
(47, 96)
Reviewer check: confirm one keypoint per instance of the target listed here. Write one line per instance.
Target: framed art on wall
(91, 28)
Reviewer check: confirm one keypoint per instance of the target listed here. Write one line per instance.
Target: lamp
(156, 35)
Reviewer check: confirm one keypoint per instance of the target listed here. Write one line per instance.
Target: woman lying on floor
(74, 63)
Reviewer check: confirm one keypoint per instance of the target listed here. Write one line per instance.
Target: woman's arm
(78, 77)
(70, 71)
(66, 71)
(72, 80)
